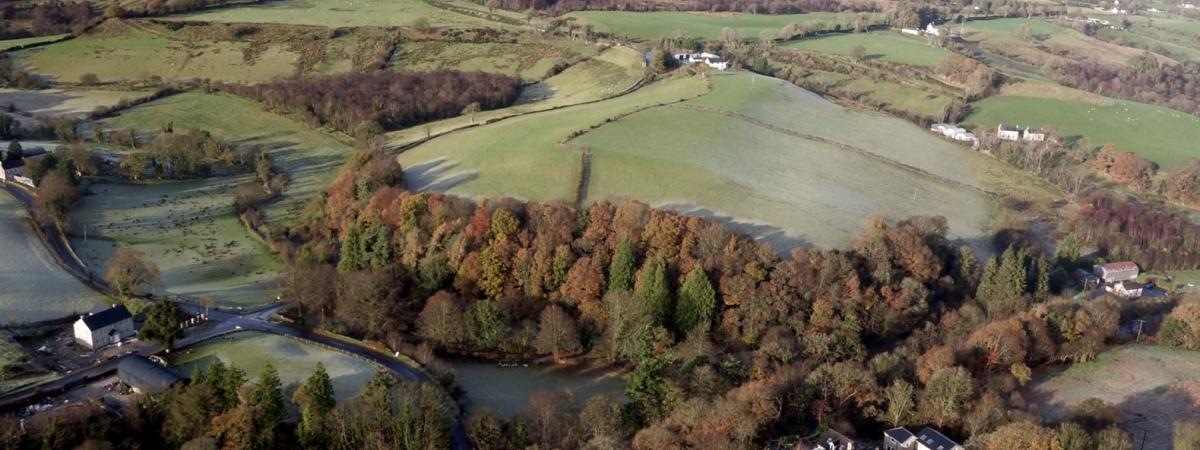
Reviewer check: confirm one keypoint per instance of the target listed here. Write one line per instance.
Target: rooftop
(1120, 266)
(146, 375)
(900, 434)
(935, 440)
(107, 317)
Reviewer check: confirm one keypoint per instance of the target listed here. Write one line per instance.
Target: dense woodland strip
(384, 99)
(1144, 79)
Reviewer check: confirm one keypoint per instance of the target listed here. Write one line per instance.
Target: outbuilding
(1116, 272)
(146, 376)
(104, 328)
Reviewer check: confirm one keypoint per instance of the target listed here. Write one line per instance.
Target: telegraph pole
(1140, 323)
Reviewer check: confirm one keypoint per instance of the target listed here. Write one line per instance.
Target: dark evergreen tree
(697, 303)
(353, 256)
(621, 270)
(653, 290)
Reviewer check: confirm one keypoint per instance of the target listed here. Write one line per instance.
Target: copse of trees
(1144, 79)
(1128, 230)
(390, 99)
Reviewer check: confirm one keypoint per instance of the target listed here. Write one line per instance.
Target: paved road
(225, 322)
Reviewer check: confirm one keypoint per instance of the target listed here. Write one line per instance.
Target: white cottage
(104, 328)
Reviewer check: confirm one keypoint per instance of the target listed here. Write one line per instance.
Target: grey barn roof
(107, 317)
(935, 440)
(900, 434)
(12, 164)
(146, 375)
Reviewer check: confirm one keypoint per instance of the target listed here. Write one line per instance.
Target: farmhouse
(900, 438)
(1011, 133)
(932, 30)
(104, 328)
(1116, 272)
(1126, 289)
(146, 376)
(711, 60)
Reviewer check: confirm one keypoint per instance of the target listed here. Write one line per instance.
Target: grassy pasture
(189, 229)
(522, 156)
(310, 158)
(12, 43)
(36, 288)
(885, 45)
(1149, 400)
(611, 72)
(341, 13)
(1165, 136)
(294, 360)
(794, 154)
(653, 25)
(1049, 39)
(908, 98)
(530, 61)
(133, 50)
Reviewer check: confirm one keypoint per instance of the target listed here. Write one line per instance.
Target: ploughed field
(35, 287)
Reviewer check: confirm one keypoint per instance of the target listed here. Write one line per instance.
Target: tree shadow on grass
(1150, 415)
(434, 175)
(777, 237)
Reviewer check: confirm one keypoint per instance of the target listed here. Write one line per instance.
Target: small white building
(900, 438)
(1033, 135)
(1008, 133)
(104, 328)
(953, 132)
(912, 31)
(710, 59)
(1126, 289)
(1188, 5)
(9, 170)
(932, 30)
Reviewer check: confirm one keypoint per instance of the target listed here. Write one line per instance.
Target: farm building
(1033, 135)
(9, 170)
(1116, 272)
(900, 438)
(1086, 280)
(933, 30)
(146, 376)
(711, 60)
(104, 328)
(953, 132)
(912, 31)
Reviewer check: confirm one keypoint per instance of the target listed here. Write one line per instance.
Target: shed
(1117, 271)
(146, 376)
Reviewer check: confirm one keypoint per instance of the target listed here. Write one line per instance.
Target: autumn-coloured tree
(557, 332)
(946, 394)
(56, 195)
(441, 320)
(130, 272)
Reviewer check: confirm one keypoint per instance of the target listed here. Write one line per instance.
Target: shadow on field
(777, 237)
(434, 176)
(1151, 415)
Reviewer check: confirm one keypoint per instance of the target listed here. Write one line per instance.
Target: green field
(1051, 41)
(189, 229)
(522, 157)
(11, 43)
(613, 71)
(36, 288)
(293, 359)
(1150, 386)
(1165, 136)
(309, 158)
(785, 151)
(653, 25)
(530, 61)
(133, 50)
(884, 45)
(342, 13)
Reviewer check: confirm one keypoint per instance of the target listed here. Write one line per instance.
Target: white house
(104, 328)
(953, 132)
(1126, 289)
(912, 31)
(1188, 5)
(9, 170)
(932, 30)
(900, 438)
(1033, 135)
(1008, 133)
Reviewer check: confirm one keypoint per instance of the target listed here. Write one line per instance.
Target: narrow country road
(225, 322)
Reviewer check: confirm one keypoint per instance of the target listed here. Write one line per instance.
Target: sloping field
(188, 228)
(613, 71)
(35, 288)
(1048, 41)
(1165, 136)
(883, 45)
(341, 13)
(59, 102)
(131, 50)
(310, 158)
(522, 156)
(777, 162)
(653, 25)
(1149, 400)
(530, 61)
(294, 360)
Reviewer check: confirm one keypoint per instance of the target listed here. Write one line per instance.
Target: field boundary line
(916, 170)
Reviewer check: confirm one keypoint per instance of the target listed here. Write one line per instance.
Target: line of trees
(25, 19)
(1143, 79)
(1128, 230)
(366, 103)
